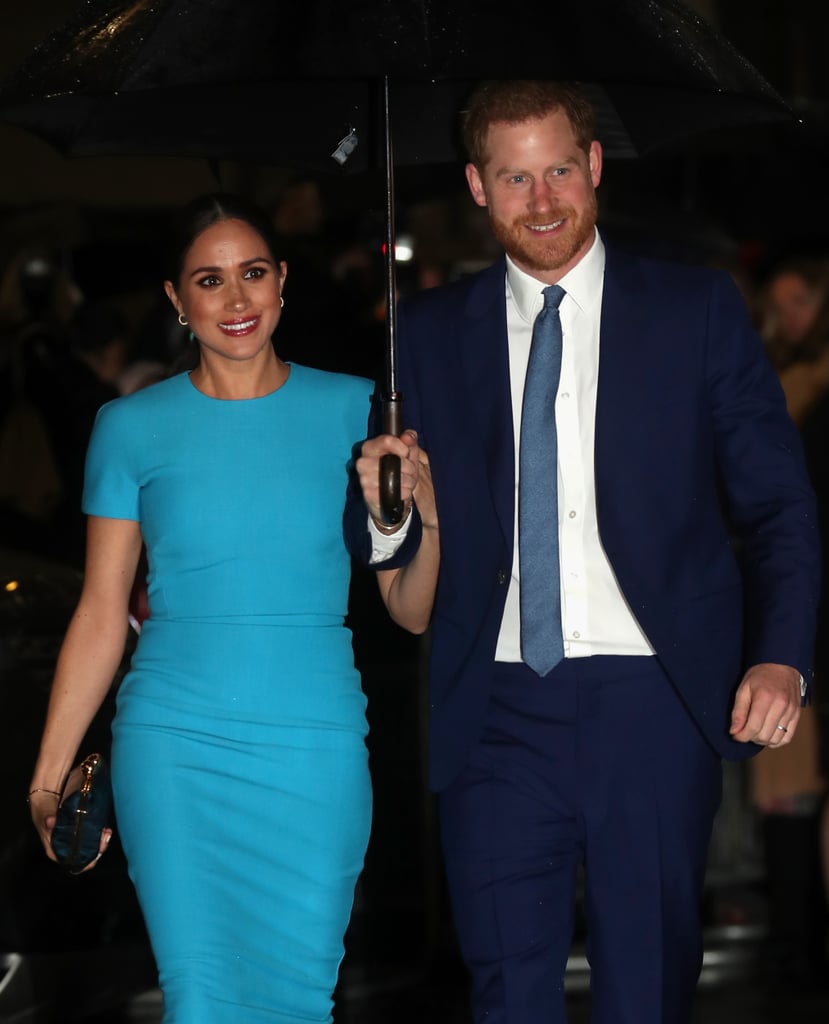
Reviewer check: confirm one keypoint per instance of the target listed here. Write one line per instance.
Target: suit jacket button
(502, 576)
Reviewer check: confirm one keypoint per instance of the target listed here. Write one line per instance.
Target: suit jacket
(704, 506)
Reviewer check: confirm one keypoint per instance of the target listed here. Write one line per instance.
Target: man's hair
(511, 102)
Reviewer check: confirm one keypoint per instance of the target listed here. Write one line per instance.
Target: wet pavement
(740, 984)
(441, 999)
(735, 988)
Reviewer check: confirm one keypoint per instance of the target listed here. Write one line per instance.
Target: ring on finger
(782, 728)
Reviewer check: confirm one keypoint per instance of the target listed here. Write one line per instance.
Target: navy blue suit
(705, 513)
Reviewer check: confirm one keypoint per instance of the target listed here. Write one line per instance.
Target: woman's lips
(238, 328)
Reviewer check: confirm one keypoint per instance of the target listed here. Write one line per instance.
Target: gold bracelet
(389, 529)
(51, 792)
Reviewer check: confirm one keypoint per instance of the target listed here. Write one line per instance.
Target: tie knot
(553, 294)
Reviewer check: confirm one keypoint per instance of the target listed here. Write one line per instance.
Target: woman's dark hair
(204, 211)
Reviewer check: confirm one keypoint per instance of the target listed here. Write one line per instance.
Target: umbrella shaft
(391, 280)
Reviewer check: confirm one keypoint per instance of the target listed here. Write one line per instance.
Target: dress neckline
(241, 401)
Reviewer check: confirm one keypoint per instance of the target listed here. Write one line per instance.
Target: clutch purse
(84, 812)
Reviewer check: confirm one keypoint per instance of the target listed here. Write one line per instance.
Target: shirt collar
(583, 283)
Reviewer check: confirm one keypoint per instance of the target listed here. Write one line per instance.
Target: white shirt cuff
(385, 545)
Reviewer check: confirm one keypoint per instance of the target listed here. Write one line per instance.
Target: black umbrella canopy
(284, 81)
(140, 44)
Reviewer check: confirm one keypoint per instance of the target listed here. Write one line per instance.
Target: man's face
(795, 305)
(540, 190)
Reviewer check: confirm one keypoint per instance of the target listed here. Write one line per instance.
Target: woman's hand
(409, 591)
(368, 469)
(424, 492)
(44, 806)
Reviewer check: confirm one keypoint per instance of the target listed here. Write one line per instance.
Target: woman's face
(794, 304)
(230, 290)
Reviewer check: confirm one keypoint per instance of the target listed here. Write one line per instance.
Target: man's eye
(518, 179)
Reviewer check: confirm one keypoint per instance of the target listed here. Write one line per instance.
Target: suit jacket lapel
(485, 364)
(623, 377)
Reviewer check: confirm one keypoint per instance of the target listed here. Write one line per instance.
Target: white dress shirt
(596, 619)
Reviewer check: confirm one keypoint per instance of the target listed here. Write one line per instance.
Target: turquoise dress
(239, 760)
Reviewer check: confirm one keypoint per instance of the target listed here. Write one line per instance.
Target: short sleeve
(111, 488)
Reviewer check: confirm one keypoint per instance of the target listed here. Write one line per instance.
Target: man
(682, 557)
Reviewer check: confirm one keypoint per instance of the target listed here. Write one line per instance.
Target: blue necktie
(542, 647)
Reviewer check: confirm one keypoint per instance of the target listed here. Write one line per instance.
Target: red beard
(543, 252)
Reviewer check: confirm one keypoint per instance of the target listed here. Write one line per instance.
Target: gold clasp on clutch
(88, 766)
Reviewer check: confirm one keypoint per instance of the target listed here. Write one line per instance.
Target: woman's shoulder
(132, 414)
(329, 385)
(330, 379)
(339, 402)
(148, 400)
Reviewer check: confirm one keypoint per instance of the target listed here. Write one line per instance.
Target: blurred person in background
(37, 299)
(790, 789)
(94, 354)
(795, 330)
(795, 292)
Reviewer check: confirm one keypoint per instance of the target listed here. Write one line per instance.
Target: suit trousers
(596, 765)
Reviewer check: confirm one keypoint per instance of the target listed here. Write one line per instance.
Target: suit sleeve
(769, 499)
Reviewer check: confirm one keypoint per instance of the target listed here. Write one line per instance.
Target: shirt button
(572, 514)
(565, 394)
(576, 634)
(502, 576)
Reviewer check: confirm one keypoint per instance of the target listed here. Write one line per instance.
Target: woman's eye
(254, 273)
(208, 282)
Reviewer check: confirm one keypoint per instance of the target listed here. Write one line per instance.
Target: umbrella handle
(391, 503)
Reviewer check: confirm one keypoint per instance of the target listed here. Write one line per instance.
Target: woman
(795, 293)
(239, 761)
(796, 332)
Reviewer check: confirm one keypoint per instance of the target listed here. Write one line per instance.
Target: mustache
(560, 213)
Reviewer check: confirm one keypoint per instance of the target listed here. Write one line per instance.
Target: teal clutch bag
(84, 812)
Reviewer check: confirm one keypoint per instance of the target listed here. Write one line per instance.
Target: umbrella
(270, 78)
(297, 82)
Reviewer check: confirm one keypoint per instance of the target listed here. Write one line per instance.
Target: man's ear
(595, 158)
(476, 185)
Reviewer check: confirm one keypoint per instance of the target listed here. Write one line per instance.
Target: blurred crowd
(62, 356)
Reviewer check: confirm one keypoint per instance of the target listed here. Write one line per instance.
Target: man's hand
(767, 706)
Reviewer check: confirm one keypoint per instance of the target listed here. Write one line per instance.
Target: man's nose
(541, 195)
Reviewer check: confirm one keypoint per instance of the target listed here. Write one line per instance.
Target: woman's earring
(281, 302)
(182, 319)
